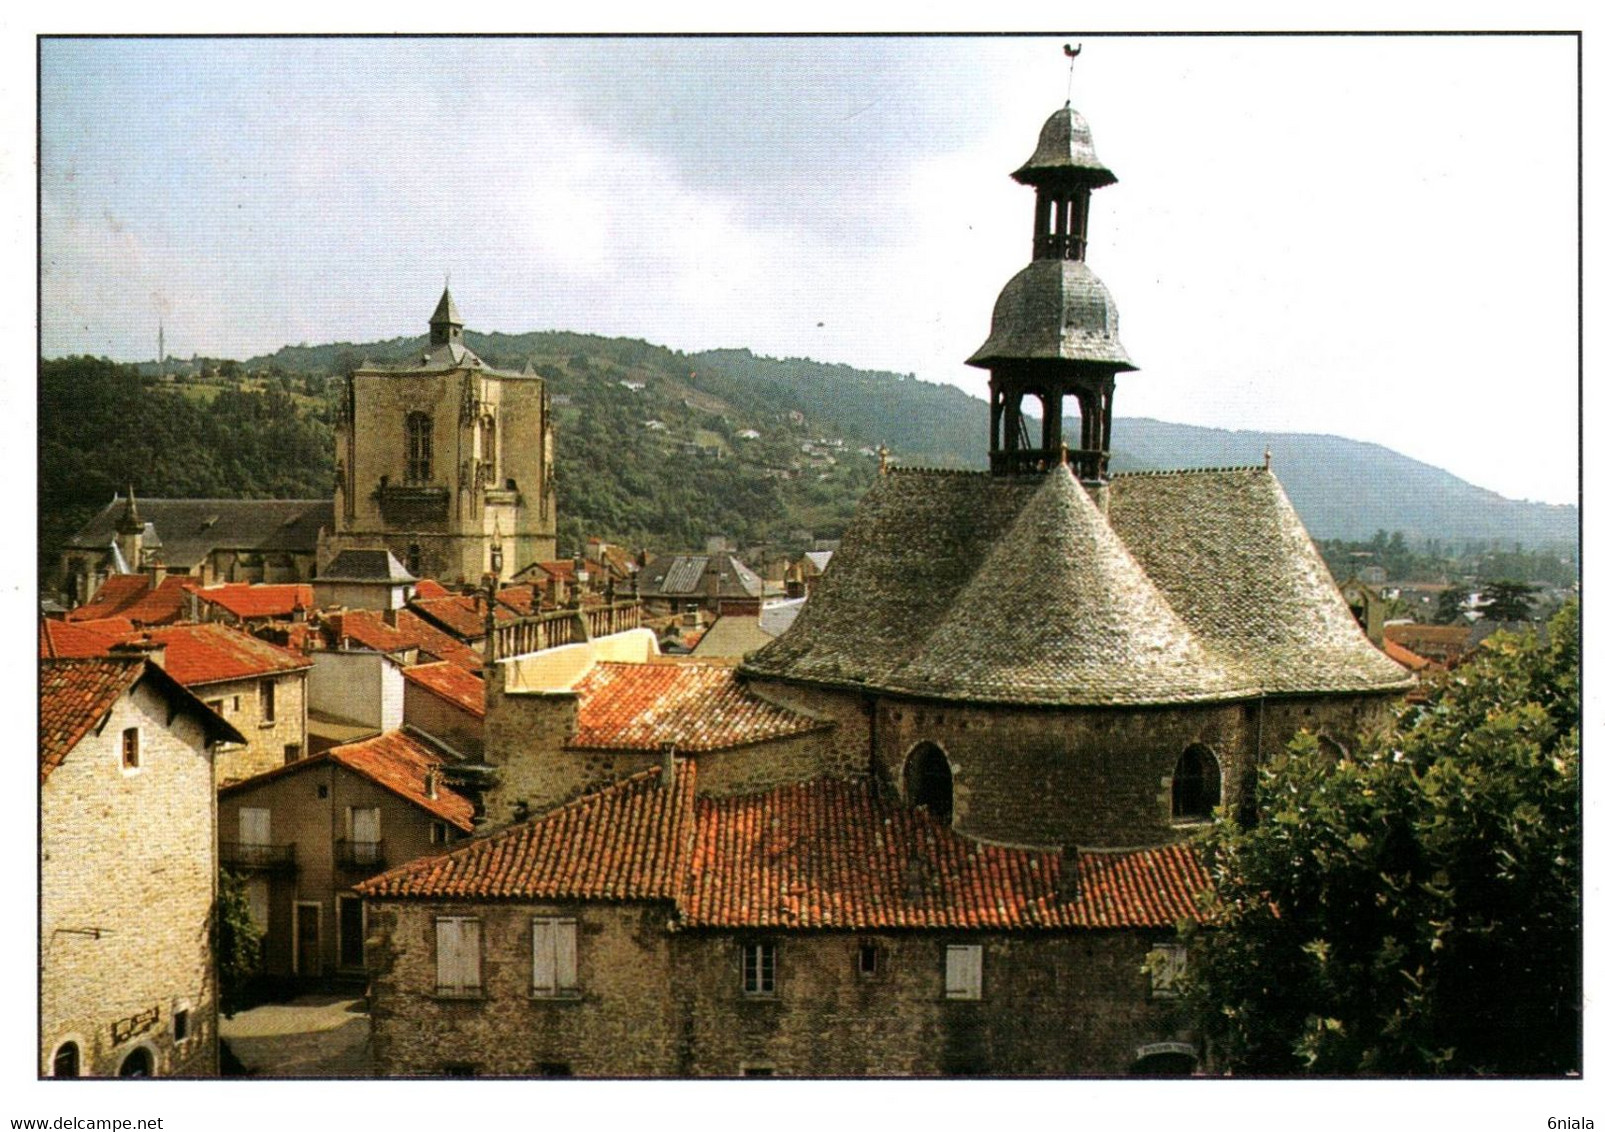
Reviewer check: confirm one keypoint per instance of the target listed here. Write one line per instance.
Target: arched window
(65, 1063)
(928, 781)
(139, 1063)
(1195, 786)
(420, 448)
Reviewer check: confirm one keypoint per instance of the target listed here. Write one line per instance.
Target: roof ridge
(1136, 474)
(902, 469)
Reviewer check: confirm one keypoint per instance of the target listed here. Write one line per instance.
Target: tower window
(928, 780)
(420, 448)
(1195, 786)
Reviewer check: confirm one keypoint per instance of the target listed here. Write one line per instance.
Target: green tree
(1450, 602)
(1506, 600)
(1413, 908)
(237, 943)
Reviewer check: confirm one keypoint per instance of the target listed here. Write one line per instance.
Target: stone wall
(462, 730)
(131, 855)
(524, 737)
(269, 743)
(653, 1002)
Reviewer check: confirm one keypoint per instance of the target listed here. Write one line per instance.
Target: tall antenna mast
(1070, 79)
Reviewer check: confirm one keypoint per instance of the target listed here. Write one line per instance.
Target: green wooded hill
(651, 444)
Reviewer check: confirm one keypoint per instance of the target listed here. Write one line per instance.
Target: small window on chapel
(758, 969)
(1195, 786)
(131, 749)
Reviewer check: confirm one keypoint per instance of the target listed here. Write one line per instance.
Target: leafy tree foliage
(237, 942)
(1450, 604)
(1412, 908)
(1508, 601)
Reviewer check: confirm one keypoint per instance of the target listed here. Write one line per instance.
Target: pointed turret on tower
(445, 325)
(1054, 327)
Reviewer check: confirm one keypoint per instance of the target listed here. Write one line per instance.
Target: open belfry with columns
(439, 459)
(944, 827)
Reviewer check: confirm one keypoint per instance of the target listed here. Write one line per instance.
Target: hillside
(664, 449)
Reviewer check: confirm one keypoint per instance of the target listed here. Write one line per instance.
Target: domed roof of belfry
(1064, 152)
(1055, 309)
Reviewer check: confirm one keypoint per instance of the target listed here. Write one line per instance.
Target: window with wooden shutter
(457, 957)
(964, 970)
(555, 970)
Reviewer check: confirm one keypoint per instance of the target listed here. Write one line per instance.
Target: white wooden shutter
(555, 966)
(256, 826)
(365, 823)
(456, 955)
(566, 953)
(964, 971)
(543, 979)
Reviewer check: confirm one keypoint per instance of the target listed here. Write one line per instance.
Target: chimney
(432, 782)
(667, 773)
(390, 616)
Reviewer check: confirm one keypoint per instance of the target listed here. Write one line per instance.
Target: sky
(1371, 237)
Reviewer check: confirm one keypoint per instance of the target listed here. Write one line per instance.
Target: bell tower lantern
(1054, 327)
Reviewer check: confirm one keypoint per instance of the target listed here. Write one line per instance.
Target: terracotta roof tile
(428, 587)
(116, 594)
(522, 600)
(697, 707)
(253, 601)
(395, 760)
(630, 841)
(462, 615)
(368, 629)
(73, 696)
(1413, 661)
(130, 596)
(206, 654)
(85, 638)
(452, 683)
(824, 854)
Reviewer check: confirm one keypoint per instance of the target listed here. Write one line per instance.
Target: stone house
(258, 687)
(809, 930)
(305, 833)
(698, 587)
(127, 871)
(440, 458)
(447, 704)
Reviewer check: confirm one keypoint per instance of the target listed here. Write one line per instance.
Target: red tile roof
(207, 654)
(253, 601)
(1444, 643)
(452, 683)
(428, 587)
(86, 638)
(823, 854)
(1413, 661)
(630, 841)
(460, 614)
(697, 707)
(117, 593)
(396, 760)
(73, 696)
(367, 629)
(522, 600)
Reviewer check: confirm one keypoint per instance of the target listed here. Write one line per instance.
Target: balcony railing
(359, 854)
(252, 855)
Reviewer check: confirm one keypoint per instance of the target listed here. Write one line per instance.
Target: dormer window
(420, 448)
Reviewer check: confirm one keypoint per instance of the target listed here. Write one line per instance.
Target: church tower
(442, 458)
(1054, 326)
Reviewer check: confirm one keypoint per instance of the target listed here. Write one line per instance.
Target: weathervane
(1071, 52)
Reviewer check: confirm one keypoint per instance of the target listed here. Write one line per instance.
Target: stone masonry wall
(524, 732)
(268, 742)
(132, 855)
(653, 1002)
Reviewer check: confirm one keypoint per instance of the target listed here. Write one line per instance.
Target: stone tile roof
(73, 696)
(211, 653)
(378, 566)
(630, 841)
(398, 761)
(1015, 589)
(452, 683)
(190, 529)
(248, 601)
(697, 707)
(824, 854)
(685, 575)
(733, 635)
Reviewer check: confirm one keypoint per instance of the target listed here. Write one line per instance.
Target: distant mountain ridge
(1341, 488)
